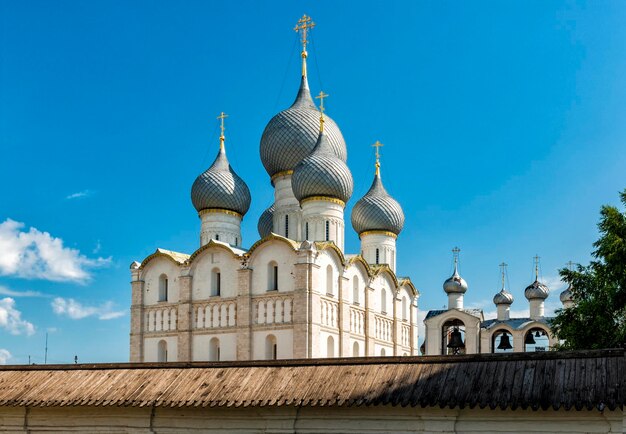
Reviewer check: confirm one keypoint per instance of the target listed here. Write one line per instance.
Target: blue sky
(503, 124)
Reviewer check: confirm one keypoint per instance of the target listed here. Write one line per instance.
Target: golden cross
(221, 117)
(303, 26)
(536, 259)
(377, 145)
(321, 97)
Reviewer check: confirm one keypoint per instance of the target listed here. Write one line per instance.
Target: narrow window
(218, 289)
(217, 237)
(271, 348)
(162, 352)
(355, 291)
(286, 226)
(383, 300)
(355, 349)
(377, 256)
(404, 309)
(275, 278)
(216, 282)
(330, 347)
(327, 230)
(272, 276)
(214, 350)
(330, 287)
(236, 241)
(382, 352)
(306, 230)
(274, 352)
(163, 287)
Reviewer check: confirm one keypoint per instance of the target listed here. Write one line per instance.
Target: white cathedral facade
(294, 293)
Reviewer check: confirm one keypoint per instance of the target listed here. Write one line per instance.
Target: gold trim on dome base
(376, 232)
(323, 198)
(280, 174)
(219, 210)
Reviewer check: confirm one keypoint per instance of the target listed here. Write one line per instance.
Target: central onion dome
(503, 297)
(292, 134)
(536, 290)
(219, 187)
(322, 173)
(377, 210)
(266, 222)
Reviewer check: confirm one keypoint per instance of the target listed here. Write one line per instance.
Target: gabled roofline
(162, 253)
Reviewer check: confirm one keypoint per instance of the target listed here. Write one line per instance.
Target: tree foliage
(598, 317)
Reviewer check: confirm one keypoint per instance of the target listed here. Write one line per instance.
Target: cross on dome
(377, 145)
(321, 97)
(221, 117)
(303, 26)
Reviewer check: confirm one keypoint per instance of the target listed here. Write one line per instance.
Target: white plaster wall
(284, 343)
(151, 348)
(386, 246)
(406, 293)
(285, 203)
(323, 350)
(326, 258)
(280, 253)
(383, 281)
(355, 271)
(201, 344)
(361, 343)
(214, 258)
(150, 275)
(316, 213)
(378, 350)
(226, 227)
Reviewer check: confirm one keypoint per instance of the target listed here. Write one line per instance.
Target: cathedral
(294, 293)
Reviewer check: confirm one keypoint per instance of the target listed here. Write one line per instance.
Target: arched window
(271, 349)
(330, 347)
(216, 282)
(355, 290)
(355, 349)
(163, 284)
(272, 276)
(214, 350)
(377, 256)
(536, 339)
(383, 300)
(306, 231)
(327, 230)
(162, 351)
(502, 342)
(405, 314)
(329, 281)
(453, 337)
(383, 353)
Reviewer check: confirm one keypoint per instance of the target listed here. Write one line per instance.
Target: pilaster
(136, 314)
(244, 313)
(185, 320)
(370, 322)
(344, 317)
(397, 325)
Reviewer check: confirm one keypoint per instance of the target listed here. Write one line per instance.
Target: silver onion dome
(536, 290)
(566, 295)
(220, 187)
(377, 211)
(455, 284)
(292, 134)
(266, 222)
(503, 297)
(322, 173)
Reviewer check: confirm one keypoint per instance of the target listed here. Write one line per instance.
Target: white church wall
(329, 345)
(204, 347)
(382, 350)
(263, 258)
(329, 271)
(355, 293)
(357, 348)
(283, 339)
(211, 261)
(152, 276)
(153, 349)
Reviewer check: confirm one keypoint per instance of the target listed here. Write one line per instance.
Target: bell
(505, 343)
(537, 334)
(529, 340)
(456, 340)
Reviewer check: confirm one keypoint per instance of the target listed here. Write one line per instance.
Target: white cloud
(11, 293)
(4, 356)
(11, 319)
(75, 310)
(36, 254)
(79, 195)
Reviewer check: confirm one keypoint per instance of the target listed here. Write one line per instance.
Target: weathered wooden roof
(591, 379)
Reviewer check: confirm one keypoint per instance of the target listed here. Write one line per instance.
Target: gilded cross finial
(377, 145)
(303, 26)
(536, 260)
(503, 266)
(455, 253)
(221, 117)
(321, 97)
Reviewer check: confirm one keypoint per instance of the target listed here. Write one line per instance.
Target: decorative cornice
(377, 232)
(220, 211)
(324, 199)
(281, 174)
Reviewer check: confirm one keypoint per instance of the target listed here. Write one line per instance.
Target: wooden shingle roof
(572, 380)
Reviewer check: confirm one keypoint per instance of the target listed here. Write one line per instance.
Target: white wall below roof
(227, 345)
(316, 213)
(220, 226)
(151, 348)
(151, 274)
(284, 343)
(285, 203)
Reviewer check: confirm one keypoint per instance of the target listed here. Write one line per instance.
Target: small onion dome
(566, 295)
(455, 284)
(220, 187)
(503, 297)
(292, 134)
(322, 173)
(377, 211)
(266, 222)
(536, 290)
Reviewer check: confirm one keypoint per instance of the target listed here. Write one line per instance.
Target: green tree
(598, 318)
